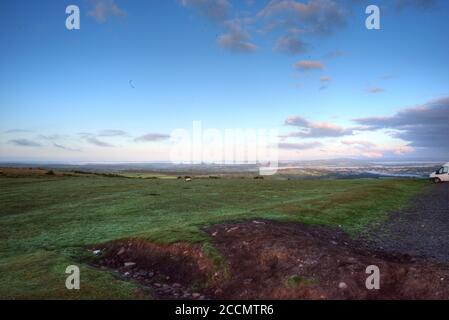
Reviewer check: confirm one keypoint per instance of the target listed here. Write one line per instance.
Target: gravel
(421, 229)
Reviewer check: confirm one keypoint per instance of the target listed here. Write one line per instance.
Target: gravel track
(421, 229)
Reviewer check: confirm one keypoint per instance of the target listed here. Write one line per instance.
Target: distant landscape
(335, 168)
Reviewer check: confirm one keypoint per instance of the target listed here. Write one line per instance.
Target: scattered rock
(96, 252)
(196, 295)
(351, 260)
(129, 264)
(342, 285)
(121, 251)
(232, 229)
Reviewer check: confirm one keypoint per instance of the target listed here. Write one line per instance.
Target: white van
(441, 175)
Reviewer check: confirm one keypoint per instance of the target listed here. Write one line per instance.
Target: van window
(445, 169)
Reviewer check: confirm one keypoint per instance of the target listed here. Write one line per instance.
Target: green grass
(297, 281)
(46, 222)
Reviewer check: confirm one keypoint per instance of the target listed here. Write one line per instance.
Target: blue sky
(136, 70)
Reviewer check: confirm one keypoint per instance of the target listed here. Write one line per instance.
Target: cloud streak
(375, 90)
(25, 143)
(99, 143)
(300, 146)
(59, 146)
(153, 137)
(112, 133)
(309, 65)
(424, 126)
(291, 43)
(310, 129)
(236, 39)
(17, 131)
(104, 9)
(316, 16)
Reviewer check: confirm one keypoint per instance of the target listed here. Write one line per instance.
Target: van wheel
(436, 180)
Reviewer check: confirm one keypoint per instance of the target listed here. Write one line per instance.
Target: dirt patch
(271, 260)
(169, 271)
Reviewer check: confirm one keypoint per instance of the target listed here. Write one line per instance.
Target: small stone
(342, 285)
(157, 285)
(196, 295)
(334, 243)
(232, 229)
(121, 251)
(129, 264)
(214, 234)
(176, 285)
(96, 252)
(167, 278)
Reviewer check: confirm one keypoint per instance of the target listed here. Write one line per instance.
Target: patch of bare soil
(271, 260)
(266, 257)
(167, 271)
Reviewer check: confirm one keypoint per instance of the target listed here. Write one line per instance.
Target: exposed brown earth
(271, 260)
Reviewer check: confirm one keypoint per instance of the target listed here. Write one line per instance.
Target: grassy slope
(46, 221)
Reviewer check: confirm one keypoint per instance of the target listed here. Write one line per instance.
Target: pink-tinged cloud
(103, 9)
(308, 129)
(309, 65)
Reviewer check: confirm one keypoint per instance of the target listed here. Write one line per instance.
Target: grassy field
(46, 222)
